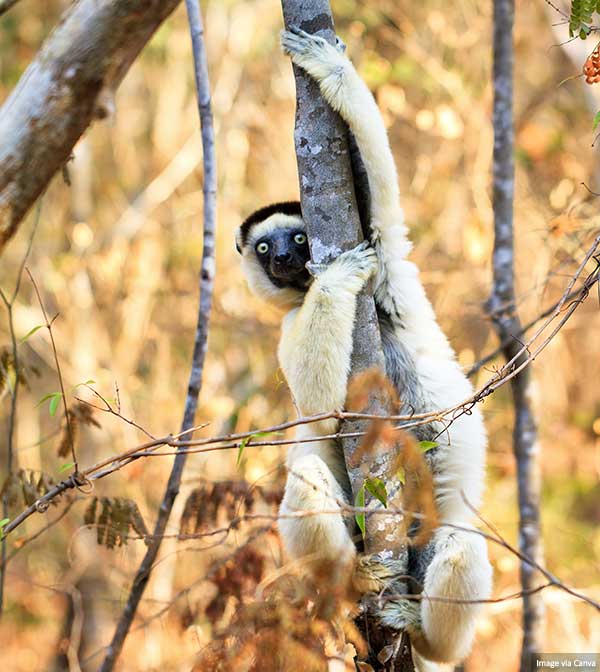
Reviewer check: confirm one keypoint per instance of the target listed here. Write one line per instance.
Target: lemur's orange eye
(262, 248)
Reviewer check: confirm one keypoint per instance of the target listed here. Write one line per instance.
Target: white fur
(315, 350)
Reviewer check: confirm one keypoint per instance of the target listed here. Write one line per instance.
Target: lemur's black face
(283, 254)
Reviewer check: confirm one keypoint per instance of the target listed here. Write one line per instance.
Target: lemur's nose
(283, 258)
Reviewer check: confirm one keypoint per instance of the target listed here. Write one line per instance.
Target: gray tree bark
(329, 208)
(501, 307)
(67, 86)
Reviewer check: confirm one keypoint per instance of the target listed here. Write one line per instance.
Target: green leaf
(377, 488)
(87, 382)
(596, 120)
(31, 332)
(67, 466)
(54, 404)
(360, 503)
(243, 444)
(46, 397)
(246, 441)
(424, 446)
(54, 399)
(401, 474)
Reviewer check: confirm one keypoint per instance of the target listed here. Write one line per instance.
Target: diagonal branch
(206, 280)
(67, 86)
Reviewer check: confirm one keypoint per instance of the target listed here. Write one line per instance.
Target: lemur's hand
(313, 53)
(352, 269)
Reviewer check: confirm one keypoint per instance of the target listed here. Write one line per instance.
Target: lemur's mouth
(287, 270)
(285, 276)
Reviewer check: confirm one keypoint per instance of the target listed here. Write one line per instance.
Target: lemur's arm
(345, 91)
(316, 342)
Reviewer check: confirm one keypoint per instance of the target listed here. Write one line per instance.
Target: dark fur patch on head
(284, 208)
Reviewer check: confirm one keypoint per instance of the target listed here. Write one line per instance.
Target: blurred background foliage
(116, 255)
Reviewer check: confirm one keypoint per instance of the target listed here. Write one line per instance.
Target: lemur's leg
(314, 352)
(345, 91)
(311, 487)
(460, 571)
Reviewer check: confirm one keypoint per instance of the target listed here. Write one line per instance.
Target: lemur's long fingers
(302, 33)
(297, 41)
(291, 43)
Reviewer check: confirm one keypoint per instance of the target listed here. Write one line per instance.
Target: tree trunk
(329, 208)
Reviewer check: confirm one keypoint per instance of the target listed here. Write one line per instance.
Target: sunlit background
(116, 255)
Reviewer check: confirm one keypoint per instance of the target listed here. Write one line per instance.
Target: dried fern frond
(79, 414)
(115, 518)
(28, 484)
(221, 500)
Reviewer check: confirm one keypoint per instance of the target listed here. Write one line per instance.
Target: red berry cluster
(591, 67)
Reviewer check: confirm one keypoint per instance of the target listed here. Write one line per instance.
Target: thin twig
(48, 326)
(187, 590)
(109, 409)
(207, 273)
(23, 542)
(500, 349)
(9, 305)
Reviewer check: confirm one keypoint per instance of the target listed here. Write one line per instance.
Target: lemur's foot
(340, 45)
(402, 614)
(371, 575)
(313, 53)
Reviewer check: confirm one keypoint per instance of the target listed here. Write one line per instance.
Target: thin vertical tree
(501, 307)
(206, 284)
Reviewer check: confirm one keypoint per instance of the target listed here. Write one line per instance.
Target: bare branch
(234, 441)
(68, 85)
(207, 273)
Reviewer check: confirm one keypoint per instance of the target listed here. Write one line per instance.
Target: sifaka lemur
(315, 351)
